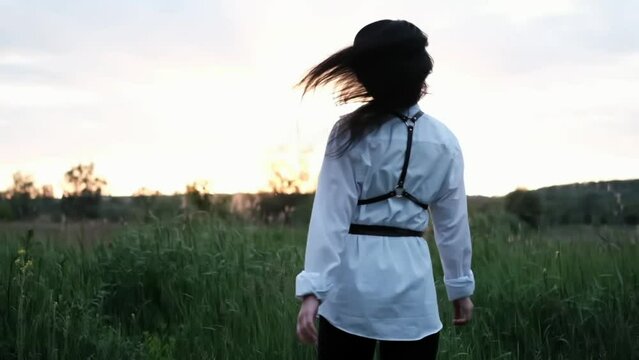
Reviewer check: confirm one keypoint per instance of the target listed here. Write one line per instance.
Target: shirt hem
(427, 333)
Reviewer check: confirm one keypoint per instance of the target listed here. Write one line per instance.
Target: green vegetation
(211, 276)
(596, 203)
(205, 288)
(526, 205)
(84, 199)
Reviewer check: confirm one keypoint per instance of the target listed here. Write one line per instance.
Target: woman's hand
(463, 311)
(306, 331)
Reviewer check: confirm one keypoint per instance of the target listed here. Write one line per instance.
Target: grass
(206, 289)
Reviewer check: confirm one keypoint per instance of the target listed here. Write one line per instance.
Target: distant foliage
(21, 195)
(286, 203)
(289, 172)
(198, 195)
(596, 203)
(83, 193)
(280, 208)
(146, 200)
(48, 206)
(526, 205)
(593, 203)
(5, 209)
(23, 200)
(281, 183)
(631, 214)
(288, 200)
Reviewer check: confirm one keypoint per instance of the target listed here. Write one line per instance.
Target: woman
(367, 274)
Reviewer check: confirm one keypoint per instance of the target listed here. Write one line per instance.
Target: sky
(162, 93)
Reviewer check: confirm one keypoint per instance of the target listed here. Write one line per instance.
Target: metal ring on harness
(399, 190)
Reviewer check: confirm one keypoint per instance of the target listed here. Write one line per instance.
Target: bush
(526, 205)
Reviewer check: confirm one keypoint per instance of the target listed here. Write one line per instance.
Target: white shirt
(383, 287)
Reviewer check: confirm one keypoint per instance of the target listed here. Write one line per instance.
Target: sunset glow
(160, 94)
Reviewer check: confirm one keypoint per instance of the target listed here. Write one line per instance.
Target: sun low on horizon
(161, 94)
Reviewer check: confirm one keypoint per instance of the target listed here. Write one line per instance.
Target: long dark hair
(385, 68)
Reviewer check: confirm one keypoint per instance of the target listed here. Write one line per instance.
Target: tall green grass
(206, 289)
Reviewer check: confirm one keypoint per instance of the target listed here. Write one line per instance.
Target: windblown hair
(385, 68)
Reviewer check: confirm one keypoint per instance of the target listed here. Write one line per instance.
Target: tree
(631, 214)
(198, 195)
(80, 180)
(146, 199)
(526, 205)
(83, 192)
(590, 206)
(47, 203)
(287, 182)
(21, 197)
(47, 192)
(289, 175)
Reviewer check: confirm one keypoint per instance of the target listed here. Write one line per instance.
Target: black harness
(398, 191)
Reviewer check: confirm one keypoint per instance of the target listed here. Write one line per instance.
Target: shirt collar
(411, 110)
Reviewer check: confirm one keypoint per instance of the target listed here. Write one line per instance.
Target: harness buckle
(399, 191)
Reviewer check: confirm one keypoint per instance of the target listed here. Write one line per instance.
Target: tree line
(593, 203)
(84, 199)
(81, 199)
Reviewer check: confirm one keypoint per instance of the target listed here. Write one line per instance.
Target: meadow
(201, 287)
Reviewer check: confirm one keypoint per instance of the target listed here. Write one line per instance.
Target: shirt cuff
(460, 287)
(310, 283)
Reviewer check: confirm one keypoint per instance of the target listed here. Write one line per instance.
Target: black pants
(335, 344)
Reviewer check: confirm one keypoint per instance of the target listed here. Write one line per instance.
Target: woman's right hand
(306, 331)
(463, 311)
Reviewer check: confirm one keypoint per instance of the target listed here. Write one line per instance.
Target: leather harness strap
(398, 191)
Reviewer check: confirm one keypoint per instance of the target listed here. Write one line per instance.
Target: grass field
(203, 289)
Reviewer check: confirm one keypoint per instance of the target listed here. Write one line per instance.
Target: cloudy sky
(160, 93)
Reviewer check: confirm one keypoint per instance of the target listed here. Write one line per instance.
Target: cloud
(586, 32)
(158, 28)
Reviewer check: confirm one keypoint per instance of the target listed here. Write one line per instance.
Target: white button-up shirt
(377, 286)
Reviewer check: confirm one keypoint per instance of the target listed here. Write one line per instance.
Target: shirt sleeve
(335, 200)
(452, 233)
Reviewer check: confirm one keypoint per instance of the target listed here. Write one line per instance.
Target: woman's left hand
(306, 331)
